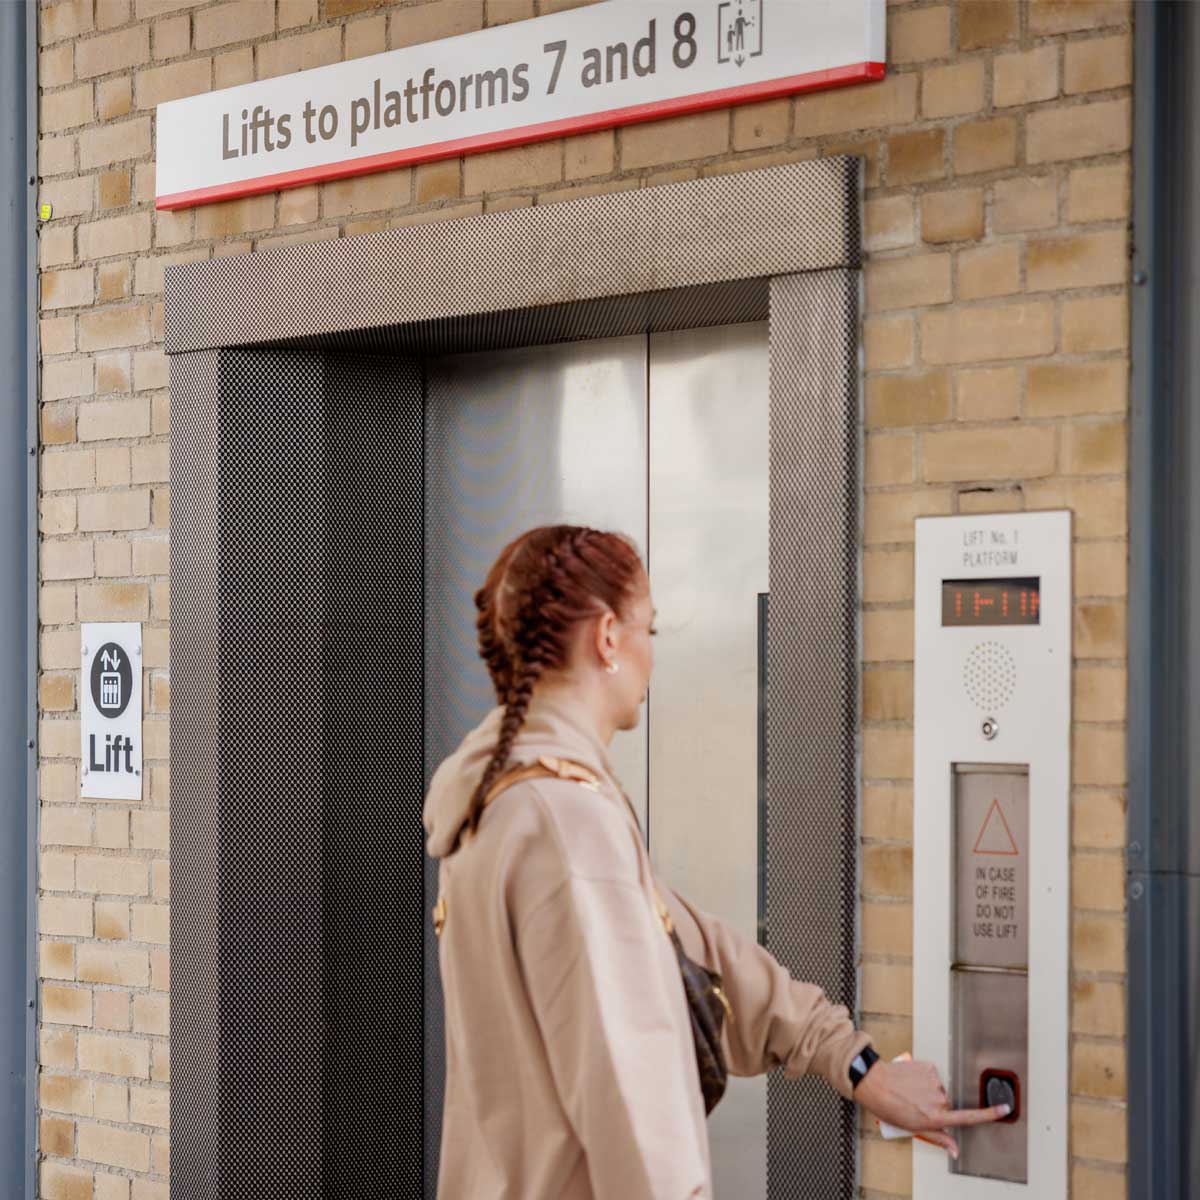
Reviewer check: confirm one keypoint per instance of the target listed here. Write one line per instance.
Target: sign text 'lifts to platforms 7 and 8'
(608, 64)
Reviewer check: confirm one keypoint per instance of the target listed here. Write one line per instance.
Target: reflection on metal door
(663, 438)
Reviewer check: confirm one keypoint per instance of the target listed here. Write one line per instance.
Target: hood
(551, 727)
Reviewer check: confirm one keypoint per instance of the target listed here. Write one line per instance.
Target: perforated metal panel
(812, 672)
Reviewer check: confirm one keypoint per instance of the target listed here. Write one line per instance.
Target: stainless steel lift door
(664, 438)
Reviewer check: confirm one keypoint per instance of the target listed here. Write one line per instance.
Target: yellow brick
(160, 970)
(65, 20)
(1065, 16)
(56, 156)
(56, 1048)
(111, 1101)
(888, 693)
(1099, 691)
(887, 342)
(585, 156)
(58, 738)
(235, 216)
(1098, 1008)
(1095, 448)
(869, 151)
(58, 428)
(151, 1014)
(286, 56)
(238, 22)
(1098, 1183)
(1079, 260)
(115, 418)
(887, 754)
(1016, 453)
(114, 1147)
(985, 145)
(150, 1106)
(1100, 507)
(151, 923)
(1099, 629)
(57, 333)
(65, 380)
(953, 90)
(907, 282)
(56, 960)
(887, 635)
(889, 516)
(1098, 1070)
(114, 602)
(112, 511)
(952, 216)
(66, 1005)
(62, 1182)
(56, 692)
(56, 605)
(919, 34)
(438, 181)
(989, 394)
(1025, 77)
(56, 1136)
(234, 68)
(764, 124)
(922, 398)
(916, 157)
(111, 875)
(1098, 63)
(1099, 756)
(112, 1010)
(112, 52)
(112, 920)
(887, 811)
(112, 828)
(887, 988)
(147, 1189)
(119, 142)
(56, 66)
(1098, 942)
(1072, 389)
(1022, 204)
(889, 459)
(111, 328)
(679, 139)
(126, 967)
(430, 22)
(171, 37)
(114, 98)
(112, 470)
(293, 13)
(1080, 131)
(66, 289)
(64, 916)
(157, 85)
(888, 223)
(368, 36)
(1101, 569)
(65, 826)
(988, 23)
(1098, 882)
(151, 556)
(887, 1166)
(1095, 323)
(367, 193)
(64, 1093)
(113, 280)
(893, 101)
(1098, 193)
(987, 332)
(66, 109)
(67, 560)
(1098, 1131)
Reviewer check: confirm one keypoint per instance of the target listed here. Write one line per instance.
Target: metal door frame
(780, 244)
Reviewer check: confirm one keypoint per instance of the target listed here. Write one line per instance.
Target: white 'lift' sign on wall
(110, 689)
(608, 64)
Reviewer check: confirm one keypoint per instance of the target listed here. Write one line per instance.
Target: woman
(571, 1070)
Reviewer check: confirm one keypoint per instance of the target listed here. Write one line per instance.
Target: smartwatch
(860, 1064)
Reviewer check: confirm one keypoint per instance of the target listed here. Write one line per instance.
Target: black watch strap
(860, 1064)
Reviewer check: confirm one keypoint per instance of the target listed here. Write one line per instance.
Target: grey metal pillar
(18, 474)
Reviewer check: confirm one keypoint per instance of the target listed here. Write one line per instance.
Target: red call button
(991, 601)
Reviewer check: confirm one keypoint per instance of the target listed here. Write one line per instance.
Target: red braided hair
(543, 584)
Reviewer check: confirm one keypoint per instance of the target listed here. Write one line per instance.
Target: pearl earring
(612, 667)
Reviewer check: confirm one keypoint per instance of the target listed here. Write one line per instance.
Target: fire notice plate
(110, 687)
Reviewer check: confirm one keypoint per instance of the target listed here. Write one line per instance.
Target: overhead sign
(595, 67)
(111, 705)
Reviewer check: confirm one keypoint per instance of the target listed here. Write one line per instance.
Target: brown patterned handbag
(706, 1001)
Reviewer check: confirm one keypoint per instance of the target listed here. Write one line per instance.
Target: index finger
(973, 1116)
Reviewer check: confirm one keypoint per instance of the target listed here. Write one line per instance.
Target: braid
(540, 587)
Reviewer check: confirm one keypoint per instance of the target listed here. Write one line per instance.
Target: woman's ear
(606, 635)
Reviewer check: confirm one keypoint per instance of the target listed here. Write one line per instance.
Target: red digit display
(991, 601)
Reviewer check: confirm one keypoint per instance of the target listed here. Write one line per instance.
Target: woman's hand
(911, 1096)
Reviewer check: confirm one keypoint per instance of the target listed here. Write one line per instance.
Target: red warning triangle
(995, 837)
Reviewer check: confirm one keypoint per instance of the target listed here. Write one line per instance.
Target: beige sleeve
(778, 1020)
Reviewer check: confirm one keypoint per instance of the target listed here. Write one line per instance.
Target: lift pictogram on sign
(995, 837)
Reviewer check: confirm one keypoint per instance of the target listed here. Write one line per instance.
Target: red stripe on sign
(811, 81)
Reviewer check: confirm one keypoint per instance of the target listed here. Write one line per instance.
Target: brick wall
(996, 342)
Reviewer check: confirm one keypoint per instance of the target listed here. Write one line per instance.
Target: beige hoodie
(570, 1069)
